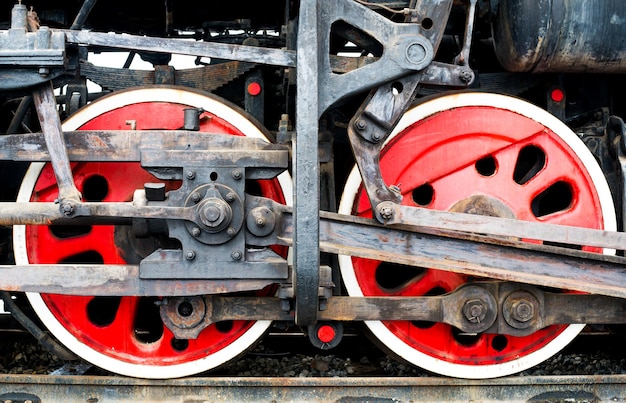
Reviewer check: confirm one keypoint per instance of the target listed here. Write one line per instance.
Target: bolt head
(466, 76)
(416, 53)
(67, 208)
(190, 255)
(215, 214)
(475, 310)
(386, 212)
(523, 311)
(212, 213)
(236, 255)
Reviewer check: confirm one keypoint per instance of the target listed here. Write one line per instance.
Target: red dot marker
(557, 95)
(326, 333)
(254, 88)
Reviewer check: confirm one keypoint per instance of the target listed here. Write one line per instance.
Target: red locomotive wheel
(125, 334)
(482, 154)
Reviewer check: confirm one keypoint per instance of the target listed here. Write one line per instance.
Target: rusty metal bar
(444, 222)
(453, 308)
(127, 145)
(48, 213)
(46, 106)
(345, 235)
(111, 280)
(306, 260)
(277, 57)
(550, 267)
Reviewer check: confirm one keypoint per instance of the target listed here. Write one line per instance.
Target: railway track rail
(92, 389)
(81, 382)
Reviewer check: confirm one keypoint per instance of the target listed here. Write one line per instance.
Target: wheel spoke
(84, 248)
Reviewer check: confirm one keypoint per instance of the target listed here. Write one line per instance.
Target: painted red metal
(326, 333)
(557, 95)
(473, 158)
(123, 332)
(254, 88)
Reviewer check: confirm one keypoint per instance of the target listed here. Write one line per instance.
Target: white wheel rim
(234, 349)
(353, 184)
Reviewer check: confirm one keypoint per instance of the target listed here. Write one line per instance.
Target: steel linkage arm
(46, 106)
(480, 307)
(464, 253)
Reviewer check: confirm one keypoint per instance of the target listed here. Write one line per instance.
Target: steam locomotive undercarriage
(449, 173)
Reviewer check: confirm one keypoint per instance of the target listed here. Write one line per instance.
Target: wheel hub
(220, 211)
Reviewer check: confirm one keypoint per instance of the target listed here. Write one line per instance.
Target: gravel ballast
(356, 356)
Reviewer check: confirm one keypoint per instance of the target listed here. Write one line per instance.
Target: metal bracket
(214, 190)
(408, 47)
(383, 108)
(369, 128)
(29, 58)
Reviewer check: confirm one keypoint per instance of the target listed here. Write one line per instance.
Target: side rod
(353, 236)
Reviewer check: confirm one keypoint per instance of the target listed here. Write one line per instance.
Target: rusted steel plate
(49, 388)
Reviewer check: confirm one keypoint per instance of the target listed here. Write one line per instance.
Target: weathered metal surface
(127, 145)
(408, 47)
(47, 388)
(112, 280)
(511, 261)
(561, 36)
(206, 78)
(370, 126)
(226, 51)
(50, 122)
(305, 160)
(217, 263)
(29, 58)
(443, 222)
(502, 308)
(544, 266)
